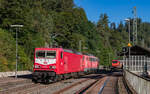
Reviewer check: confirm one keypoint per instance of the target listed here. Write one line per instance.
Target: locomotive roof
(65, 50)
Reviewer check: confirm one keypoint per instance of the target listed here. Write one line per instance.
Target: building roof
(136, 50)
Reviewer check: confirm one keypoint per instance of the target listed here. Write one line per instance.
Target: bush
(8, 53)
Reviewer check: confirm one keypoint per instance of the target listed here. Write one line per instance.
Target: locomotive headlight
(50, 67)
(53, 67)
(37, 66)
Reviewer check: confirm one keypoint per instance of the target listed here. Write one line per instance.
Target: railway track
(18, 86)
(12, 80)
(9, 80)
(81, 86)
(100, 84)
(6, 79)
(6, 86)
(93, 88)
(41, 88)
(104, 83)
(62, 86)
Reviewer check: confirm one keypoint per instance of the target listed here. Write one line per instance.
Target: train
(116, 64)
(54, 64)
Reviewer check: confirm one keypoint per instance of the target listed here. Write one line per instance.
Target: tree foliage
(61, 23)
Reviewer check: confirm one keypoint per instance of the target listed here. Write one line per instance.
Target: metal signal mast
(135, 27)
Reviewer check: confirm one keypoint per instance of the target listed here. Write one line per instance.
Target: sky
(117, 10)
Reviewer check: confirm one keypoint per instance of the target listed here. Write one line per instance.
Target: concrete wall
(139, 84)
(6, 74)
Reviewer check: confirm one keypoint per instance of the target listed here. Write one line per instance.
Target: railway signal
(124, 50)
(129, 45)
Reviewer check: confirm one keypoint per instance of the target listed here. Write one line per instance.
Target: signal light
(129, 45)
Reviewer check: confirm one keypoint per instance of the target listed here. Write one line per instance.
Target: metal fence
(136, 63)
(138, 83)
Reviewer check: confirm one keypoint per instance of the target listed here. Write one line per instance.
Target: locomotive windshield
(40, 54)
(115, 61)
(51, 54)
(46, 54)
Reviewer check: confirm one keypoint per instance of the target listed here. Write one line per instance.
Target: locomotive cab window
(40, 54)
(51, 54)
(115, 61)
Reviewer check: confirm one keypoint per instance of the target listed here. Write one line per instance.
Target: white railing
(136, 63)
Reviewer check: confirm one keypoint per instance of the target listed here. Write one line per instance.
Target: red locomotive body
(94, 63)
(90, 63)
(86, 63)
(72, 62)
(116, 64)
(51, 64)
(45, 59)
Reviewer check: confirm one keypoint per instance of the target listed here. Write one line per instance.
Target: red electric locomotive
(116, 64)
(94, 61)
(90, 63)
(86, 63)
(51, 64)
